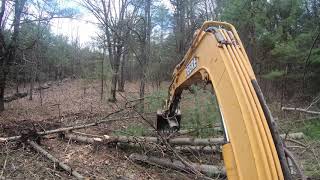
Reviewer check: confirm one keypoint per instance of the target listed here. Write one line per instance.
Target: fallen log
(86, 134)
(297, 135)
(195, 149)
(197, 141)
(67, 168)
(295, 163)
(182, 149)
(60, 130)
(208, 170)
(136, 139)
(173, 141)
(83, 139)
(15, 96)
(45, 86)
(135, 143)
(300, 110)
(151, 132)
(188, 131)
(140, 139)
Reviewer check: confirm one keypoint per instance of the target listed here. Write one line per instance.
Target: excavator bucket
(165, 123)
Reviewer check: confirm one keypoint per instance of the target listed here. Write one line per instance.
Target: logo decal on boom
(191, 66)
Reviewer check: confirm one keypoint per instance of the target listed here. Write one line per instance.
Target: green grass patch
(136, 130)
(200, 112)
(156, 100)
(312, 129)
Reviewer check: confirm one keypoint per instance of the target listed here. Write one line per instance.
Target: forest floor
(73, 102)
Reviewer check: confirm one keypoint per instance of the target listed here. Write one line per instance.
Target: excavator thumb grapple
(168, 123)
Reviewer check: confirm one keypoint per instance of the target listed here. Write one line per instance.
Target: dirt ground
(66, 103)
(72, 102)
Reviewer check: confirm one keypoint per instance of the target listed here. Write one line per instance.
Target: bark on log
(15, 96)
(67, 168)
(300, 110)
(83, 139)
(195, 149)
(86, 134)
(136, 139)
(182, 149)
(59, 130)
(208, 170)
(297, 135)
(197, 141)
(173, 141)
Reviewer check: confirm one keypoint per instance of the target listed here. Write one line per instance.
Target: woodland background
(50, 81)
(144, 40)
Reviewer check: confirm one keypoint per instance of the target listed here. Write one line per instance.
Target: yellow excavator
(253, 149)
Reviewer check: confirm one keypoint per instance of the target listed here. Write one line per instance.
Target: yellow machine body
(220, 58)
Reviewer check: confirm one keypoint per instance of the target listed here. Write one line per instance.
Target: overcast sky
(82, 25)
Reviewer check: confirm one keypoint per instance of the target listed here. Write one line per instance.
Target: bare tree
(42, 18)
(145, 47)
(180, 25)
(114, 17)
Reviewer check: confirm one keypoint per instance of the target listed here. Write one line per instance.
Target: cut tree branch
(300, 110)
(295, 163)
(60, 130)
(208, 170)
(67, 168)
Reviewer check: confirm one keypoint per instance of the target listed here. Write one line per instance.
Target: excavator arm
(253, 149)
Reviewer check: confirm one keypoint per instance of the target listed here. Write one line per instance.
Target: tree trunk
(121, 81)
(2, 88)
(145, 46)
(181, 27)
(32, 80)
(102, 71)
(40, 93)
(115, 74)
(17, 79)
(141, 92)
(114, 86)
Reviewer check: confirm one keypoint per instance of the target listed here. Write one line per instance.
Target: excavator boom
(253, 149)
